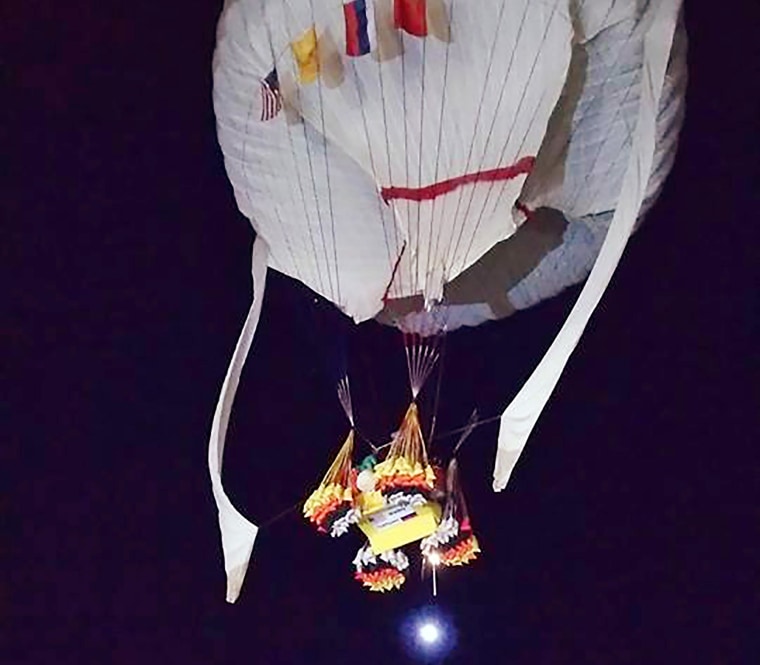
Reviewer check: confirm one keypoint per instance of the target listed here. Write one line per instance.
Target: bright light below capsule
(429, 632)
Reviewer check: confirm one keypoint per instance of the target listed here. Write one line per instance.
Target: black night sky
(625, 535)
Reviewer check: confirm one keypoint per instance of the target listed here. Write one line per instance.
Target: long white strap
(521, 415)
(238, 534)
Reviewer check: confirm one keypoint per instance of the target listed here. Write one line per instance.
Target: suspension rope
(433, 224)
(286, 511)
(609, 130)
(477, 423)
(467, 430)
(416, 256)
(344, 397)
(491, 60)
(585, 112)
(439, 382)
(522, 143)
(406, 154)
(291, 144)
(327, 174)
(630, 130)
(380, 206)
(549, 24)
(421, 356)
(387, 150)
(244, 162)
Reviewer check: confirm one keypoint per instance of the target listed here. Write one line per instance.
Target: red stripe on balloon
(430, 192)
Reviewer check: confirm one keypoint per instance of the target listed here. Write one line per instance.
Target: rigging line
(432, 359)
(469, 428)
(609, 127)
(297, 168)
(420, 365)
(630, 130)
(436, 401)
(283, 513)
(265, 188)
(549, 24)
(433, 224)
(423, 354)
(416, 353)
(448, 313)
(409, 368)
(426, 371)
(388, 158)
(313, 179)
(608, 79)
(317, 205)
(493, 124)
(327, 171)
(431, 352)
(414, 365)
(281, 224)
(244, 161)
(591, 172)
(419, 168)
(393, 272)
(491, 59)
(383, 446)
(344, 396)
(478, 423)
(629, 137)
(505, 184)
(587, 108)
(406, 157)
(380, 206)
(375, 448)
(414, 347)
(619, 51)
(409, 349)
(419, 352)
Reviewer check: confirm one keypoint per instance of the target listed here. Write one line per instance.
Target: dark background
(628, 531)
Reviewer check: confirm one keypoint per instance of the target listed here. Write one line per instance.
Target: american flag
(271, 102)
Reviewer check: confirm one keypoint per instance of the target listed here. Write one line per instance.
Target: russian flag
(357, 28)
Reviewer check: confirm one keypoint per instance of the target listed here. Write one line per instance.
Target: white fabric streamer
(238, 534)
(521, 415)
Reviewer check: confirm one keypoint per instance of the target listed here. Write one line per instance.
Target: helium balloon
(436, 164)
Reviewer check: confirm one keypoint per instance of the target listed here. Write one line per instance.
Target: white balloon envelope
(442, 163)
